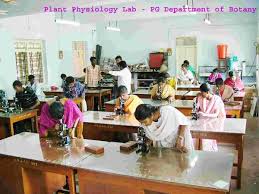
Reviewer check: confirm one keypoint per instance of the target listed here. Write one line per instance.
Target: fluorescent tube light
(69, 22)
(3, 12)
(112, 28)
(207, 21)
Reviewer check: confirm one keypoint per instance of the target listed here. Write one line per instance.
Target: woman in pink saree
(215, 74)
(53, 112)
(209, 106)
(234, 81)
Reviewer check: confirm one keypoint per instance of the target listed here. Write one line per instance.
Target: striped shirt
(92, 76)
(27, 98)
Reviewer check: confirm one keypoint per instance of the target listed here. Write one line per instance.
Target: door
(186, 49)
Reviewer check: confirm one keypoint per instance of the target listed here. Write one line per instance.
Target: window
(29, 60)
(79, 49)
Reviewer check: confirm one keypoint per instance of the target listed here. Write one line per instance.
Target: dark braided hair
(144, 111)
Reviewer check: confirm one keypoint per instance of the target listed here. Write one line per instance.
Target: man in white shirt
(185, 75)
(34, 86)
(124, 76)
(118, 59)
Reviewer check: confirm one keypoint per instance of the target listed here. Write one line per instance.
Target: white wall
(138, 38)
(56, 37)
(7, 62)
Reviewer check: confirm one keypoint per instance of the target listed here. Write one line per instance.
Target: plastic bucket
(222, 51)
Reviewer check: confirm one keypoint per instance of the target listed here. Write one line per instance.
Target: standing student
(209, 106)
(53, 112)
(224, 91)
(92, 74)
(118, 59)
(165, 126)
(162, 90)
(215, 74)
(74, 89)
(234, 81)
(124, 76)
(25, 96)
(92, 78)
(130, 102)
(63, 78)
(185, 76)
(34, 86)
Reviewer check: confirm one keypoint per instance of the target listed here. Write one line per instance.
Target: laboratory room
(129, 97)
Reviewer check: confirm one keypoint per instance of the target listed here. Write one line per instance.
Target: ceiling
(28, 7)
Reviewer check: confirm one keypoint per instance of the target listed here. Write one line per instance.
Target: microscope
(17, 105)
(100, 84)
(4, 105)
(63, 135)
(194, 110)
(143, 146)
(159, 93)
(121, 110)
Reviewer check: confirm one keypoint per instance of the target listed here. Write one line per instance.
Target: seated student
(130, 101)
(27, 99)
(162, 90)
(209, 106)
(34, 86)
(63, 78)
(170, 80)
(234, 81)
(224, 91)
(73, 89)
(25, 96)
(165, 126)
(53, 111)
(189, 67)
(185, 76)
(214, 75)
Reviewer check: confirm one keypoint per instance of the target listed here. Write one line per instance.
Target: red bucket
(222, 51)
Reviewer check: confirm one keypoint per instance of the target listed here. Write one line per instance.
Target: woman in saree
(224, 91)
(165, 126)
(162, 90)
(209, 106)
(234, 81)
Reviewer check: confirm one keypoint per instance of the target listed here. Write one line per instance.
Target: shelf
(204, 74)
(145, 72)
(146, 79)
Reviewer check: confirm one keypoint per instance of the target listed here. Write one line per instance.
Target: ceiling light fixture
(9, 1)
(68, 22)
(113, 28)
(3, 12)
(207, 19)
(186, 5)
(193, 13)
